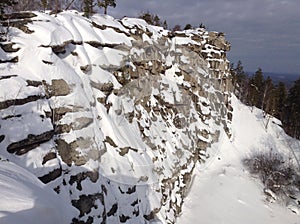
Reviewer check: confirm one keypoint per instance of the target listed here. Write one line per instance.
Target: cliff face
(112, 114)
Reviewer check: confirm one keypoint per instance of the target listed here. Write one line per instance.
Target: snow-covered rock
(113, 115)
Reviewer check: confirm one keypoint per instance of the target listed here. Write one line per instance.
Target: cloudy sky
(263, 33)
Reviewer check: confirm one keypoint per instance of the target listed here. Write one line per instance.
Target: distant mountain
(288, 79)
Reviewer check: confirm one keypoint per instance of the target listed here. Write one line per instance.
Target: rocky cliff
(112, 114)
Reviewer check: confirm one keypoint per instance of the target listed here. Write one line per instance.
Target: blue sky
(263, 33)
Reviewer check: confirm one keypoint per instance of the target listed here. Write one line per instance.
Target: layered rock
(113, 114)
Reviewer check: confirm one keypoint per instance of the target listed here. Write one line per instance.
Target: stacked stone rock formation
(116, 124)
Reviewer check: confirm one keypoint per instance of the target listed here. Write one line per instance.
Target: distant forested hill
(287, 79)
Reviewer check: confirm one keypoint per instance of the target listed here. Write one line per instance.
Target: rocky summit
(113, 115)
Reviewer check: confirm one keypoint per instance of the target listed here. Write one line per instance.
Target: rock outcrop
(114, 114)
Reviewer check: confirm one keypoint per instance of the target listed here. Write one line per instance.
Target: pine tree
(106, 3)
(147, 16)
(279, 95)
(267, 96)
(6, 3)
(177, 28)
(57, 8)
(165, 25)
(29, 5)
(202, 26)
(256, 89)
(153, 19)
(44, 4)
(240, 81)
(291, 116)
(239, 71)
(88, 7)
(188, 27)
(156, 21)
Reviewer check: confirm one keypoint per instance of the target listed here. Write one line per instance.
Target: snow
(185, 40)
(109, 21)
(146, 38)
(155, 30)
(16, 132)
(46, 36)
(109, 36)
(24, 198)
(107, 57)
(223, 191)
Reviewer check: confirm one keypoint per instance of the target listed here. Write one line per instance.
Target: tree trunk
(91, 8)
(69, 5)
(105, 10)
(56, 7)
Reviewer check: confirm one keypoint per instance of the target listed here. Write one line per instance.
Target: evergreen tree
(165, 25)
(188, 27)
(153, 19)
(240, 81)
(29, 5)
(6, 3)
(148, 17)
(267, 97)
(57, 7)
(202, 26)
(256, 89)
(291, 116)
(156, 21)
(88, 7)
(106, 3)
(176, 28)
(279, 96)
(44, 4)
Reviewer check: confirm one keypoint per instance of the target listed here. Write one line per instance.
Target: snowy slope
(224, 191)
(24, 199)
